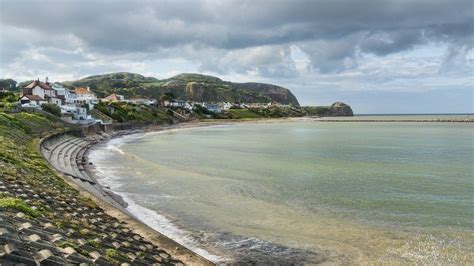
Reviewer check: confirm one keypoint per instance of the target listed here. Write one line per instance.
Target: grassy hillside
(186, 86)
(124, 112)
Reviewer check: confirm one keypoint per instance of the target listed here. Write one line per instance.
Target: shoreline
(236, 122)
(114, 205)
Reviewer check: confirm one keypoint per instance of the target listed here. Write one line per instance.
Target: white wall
(38, 91)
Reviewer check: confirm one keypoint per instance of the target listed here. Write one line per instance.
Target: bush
(201, 111)
(8, 97)
(52, 109)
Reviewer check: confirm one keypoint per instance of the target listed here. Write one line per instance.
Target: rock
(24, 226)
(7, 249)
(340, 109)
(94, 255)
(33, 238)
(68, 251)
(3, 231)
(43, 255)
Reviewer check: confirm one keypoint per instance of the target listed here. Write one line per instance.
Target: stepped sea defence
(45, 220)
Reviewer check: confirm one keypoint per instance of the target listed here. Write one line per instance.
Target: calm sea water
(304, 191)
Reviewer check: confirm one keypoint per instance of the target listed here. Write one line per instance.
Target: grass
(22, 166)
(242, 113)
(125, 112)
(93, 243)
(68, 243)
(19, 205)
(114, 255)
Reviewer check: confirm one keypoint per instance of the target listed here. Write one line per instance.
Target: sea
(304, 191)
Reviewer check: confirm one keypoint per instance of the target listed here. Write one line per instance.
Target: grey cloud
(332, 55)
(383, 43)
(269, 61)
(325, 30)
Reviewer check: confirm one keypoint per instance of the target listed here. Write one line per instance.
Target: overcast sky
(397, 56)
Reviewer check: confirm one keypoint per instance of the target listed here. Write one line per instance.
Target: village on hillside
(76, 105)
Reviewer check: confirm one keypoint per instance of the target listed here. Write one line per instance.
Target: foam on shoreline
(114, 204)
(108, 178)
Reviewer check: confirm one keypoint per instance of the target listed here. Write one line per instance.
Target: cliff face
(187, 86)
(276, 93)
(195, 91)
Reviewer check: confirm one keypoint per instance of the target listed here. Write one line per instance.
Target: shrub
(52, 109)
(8, 97)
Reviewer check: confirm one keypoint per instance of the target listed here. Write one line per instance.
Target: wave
(165, 226)
(109, 175)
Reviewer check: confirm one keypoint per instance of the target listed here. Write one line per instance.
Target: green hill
(186, 86)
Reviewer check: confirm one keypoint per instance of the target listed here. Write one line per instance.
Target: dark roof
(33, 97)
(35, 83)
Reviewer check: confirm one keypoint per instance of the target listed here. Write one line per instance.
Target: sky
(379, 56)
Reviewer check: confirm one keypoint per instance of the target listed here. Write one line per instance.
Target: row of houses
(135, 100)
(76, 103)
(218, 107)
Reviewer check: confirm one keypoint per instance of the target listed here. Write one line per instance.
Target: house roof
(81, 90)
(33, 97)
(111, 97)
(138, 98)
(55, 86)
(35, 83)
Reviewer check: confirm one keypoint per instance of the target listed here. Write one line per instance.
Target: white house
(188, 106)
(60, 90)
(226, 105)
(43, 90)
(175, 103)
(34, 100)
(38, 88)
(53, 99)
(85, 96)
(71, 97)
(78, 113)
(212, 107)
(143, 101)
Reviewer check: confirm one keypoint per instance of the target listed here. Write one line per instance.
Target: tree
(168, 96)
(8, 84)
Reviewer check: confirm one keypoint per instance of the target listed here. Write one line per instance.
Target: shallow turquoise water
(306, 191)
